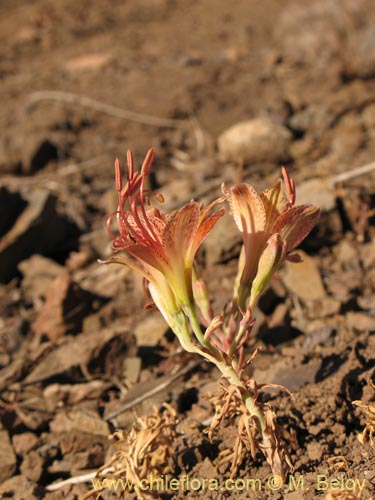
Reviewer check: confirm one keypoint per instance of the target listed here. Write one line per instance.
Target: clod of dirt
(149, 331)
(7, 457)
(38, 273)
(255, 140)
(39, 229)
(75, 351)
(303, 279)
(317, 191)
(19, 487)
(65, 308)
(81, 421)
(32, 466)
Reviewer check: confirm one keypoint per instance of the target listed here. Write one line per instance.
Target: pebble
(149, 331)
(254, 140)
(303, 279)
(7, 457)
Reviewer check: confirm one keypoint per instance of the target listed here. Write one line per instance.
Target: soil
(82, 82)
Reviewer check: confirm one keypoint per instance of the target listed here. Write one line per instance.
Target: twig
(159, 386)
(68, 97)
(355, 172)
(84, 478)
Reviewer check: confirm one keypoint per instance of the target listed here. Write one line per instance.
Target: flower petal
(247, 208)
(295, 224)
(274, 203)
(180, 230)
(203, 229)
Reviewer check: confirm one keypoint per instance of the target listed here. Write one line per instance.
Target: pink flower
(159, 245)
(271, 228)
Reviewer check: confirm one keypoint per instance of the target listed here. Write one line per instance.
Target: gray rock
(255, 140)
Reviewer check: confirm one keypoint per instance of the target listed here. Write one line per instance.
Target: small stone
(19, 487)
(367, 252)
(346, 251)
(66, 306)
(23, 443)
(38, 274)
(8, 459)
(323, 307)
(314, 451)
(32, 466)
(149, 331)
(132, 368)
(318, 192)
(254, 140)
(360, 321)
(85, 422)
(303, 279)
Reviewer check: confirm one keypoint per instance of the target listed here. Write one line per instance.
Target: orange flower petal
(247, 208)
(295, 224)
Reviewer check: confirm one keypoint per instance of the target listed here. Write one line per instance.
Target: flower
(159, 245)
(271, 228)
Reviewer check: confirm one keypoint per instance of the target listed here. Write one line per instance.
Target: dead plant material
(143, 453)
(229, 405)
(368, 433)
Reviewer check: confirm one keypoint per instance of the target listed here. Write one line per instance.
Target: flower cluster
(162, 247)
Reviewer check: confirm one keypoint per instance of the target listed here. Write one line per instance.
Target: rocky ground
(224, 91)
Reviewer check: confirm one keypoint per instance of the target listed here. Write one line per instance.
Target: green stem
(255, 411)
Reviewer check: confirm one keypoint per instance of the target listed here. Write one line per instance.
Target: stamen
(146, 166)
(130, 165)
(289, 185)
(118, 176)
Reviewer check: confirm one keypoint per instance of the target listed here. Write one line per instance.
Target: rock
(75, 351)
(38, 274)
(316, 334)
(11, 206)
(291, 377)
(255, 140)
(81, 421)
(132, 368)
(149, 331)
(23, 443)
(8, 459)
(347, 251)
(360, 321)
(367, 251)
(32, 466)
(19, 488)
(303, 279)
(318, 192)
(323, 307)
(65, 308)
(39, 229)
